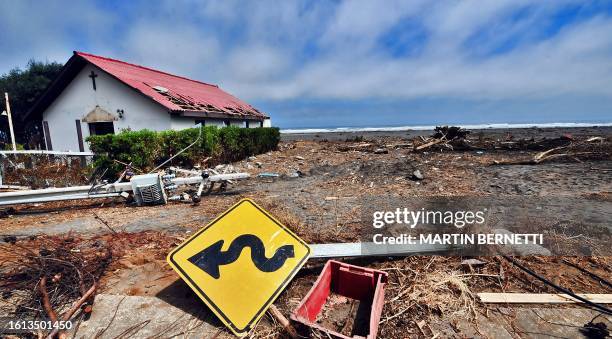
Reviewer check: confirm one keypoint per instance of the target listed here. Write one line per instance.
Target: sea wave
(431, 127)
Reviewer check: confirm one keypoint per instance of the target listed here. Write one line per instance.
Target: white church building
(98, 95)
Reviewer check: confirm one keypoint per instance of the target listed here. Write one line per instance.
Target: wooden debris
(572, 150)
(273, 310)
(473, 262)
(541, 298)
(77, 305)
(428, 144)
(596, 139)
(450, 132)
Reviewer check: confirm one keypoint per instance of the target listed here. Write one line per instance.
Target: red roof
(174, 92)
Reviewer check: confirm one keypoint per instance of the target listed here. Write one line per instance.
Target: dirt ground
(325, 188)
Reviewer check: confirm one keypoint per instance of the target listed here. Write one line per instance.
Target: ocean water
(427, 128)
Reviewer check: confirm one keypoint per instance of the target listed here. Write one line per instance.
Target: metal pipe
(62, 193)
(370, 249)
(36, 199)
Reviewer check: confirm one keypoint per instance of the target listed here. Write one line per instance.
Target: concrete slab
(490, 326)
(554, 322)
(540, 322)
(144, 317)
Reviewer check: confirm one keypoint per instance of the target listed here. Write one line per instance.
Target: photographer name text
(461, 239)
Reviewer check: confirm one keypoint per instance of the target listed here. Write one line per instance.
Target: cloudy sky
(349, 63)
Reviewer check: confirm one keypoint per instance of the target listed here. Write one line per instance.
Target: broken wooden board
(541, 298)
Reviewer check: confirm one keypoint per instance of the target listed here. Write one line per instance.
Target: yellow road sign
(239, 263)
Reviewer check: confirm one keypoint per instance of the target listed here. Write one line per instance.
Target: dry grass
(429, 292)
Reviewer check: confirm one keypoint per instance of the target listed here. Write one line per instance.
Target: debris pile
(444, 137)
(315, 188)
(450, 133)
(57, 277)
(595, 148)
(43, 171)
(51, 277)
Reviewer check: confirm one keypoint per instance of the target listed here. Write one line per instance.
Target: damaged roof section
(176, 93)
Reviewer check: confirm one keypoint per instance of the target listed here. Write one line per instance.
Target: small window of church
(101, 128)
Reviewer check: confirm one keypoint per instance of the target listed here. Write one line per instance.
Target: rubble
(417, 175)
(268, 175)
(450, 133)
(570, 149)
(54, 279)
(426, 296)
(381, 151)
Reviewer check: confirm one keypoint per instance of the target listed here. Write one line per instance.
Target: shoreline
(431, 127)
(516, 132)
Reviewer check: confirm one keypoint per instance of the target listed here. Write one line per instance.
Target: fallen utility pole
(147, 189)
(370, 249)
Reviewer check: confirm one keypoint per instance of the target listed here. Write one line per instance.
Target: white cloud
(29, 29)
(179, 49)
(286, 50)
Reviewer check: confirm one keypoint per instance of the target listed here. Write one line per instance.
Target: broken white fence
(20, 161)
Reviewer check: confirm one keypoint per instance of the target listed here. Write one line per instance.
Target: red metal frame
(360, 283)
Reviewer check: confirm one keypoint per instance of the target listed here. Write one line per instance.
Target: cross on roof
(93, 77)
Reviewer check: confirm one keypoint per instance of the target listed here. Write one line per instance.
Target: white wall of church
(79, 98)
(139, 112)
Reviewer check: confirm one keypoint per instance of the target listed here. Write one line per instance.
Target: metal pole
(108, 190)
(10, 119)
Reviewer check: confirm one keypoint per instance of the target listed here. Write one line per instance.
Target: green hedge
(146, 149)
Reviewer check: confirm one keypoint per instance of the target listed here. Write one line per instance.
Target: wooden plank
(82, 159)
(47, 136)
(80, 135)
(541, 298)
(429, 144)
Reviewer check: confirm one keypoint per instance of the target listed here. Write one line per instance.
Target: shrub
(146, 149)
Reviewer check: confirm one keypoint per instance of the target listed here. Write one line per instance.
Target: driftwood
(273, 310)
(73, 310)
(450, 132)
(445, 136)
(42, 286)
(545, 156)
(429, 144)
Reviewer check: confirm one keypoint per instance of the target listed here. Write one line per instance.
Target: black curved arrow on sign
(210, 258)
